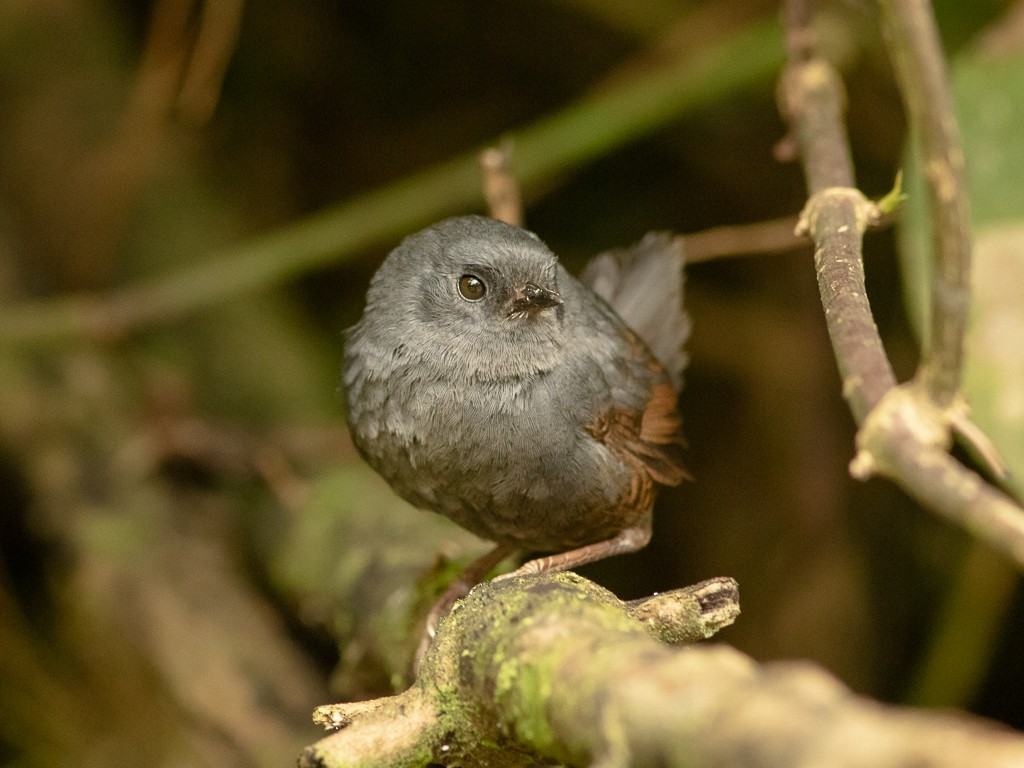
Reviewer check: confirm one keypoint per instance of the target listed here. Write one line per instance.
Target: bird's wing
(651, 439)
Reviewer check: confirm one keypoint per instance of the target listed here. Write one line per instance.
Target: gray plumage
(529, 420)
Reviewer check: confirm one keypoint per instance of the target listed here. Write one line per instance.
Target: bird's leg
(628, 540)
(465, 581)
(459, 588)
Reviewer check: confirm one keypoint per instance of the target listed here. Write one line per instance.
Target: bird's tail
(644, 285)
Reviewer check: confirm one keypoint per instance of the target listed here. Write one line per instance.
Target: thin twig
(501, 188)
(759, 237)
(215, 42)
(920, 66)
(163, 59)
(812, 91)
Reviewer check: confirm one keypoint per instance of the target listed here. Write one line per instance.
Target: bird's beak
(532, 297)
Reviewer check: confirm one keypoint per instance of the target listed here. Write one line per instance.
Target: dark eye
(472, 287)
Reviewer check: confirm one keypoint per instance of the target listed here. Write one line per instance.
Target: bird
(485, 383)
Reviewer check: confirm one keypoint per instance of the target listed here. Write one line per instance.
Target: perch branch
(904, 430)
(920, 67)
(506, 684)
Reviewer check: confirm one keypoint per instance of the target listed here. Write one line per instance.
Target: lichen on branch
(554, 668)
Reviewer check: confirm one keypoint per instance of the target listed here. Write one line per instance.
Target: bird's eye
(472, 287)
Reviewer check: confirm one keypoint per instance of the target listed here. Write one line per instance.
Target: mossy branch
(553, 667)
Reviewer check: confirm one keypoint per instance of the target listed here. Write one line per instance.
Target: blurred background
(192, 557)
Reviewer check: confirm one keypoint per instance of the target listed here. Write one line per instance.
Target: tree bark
(555, 668)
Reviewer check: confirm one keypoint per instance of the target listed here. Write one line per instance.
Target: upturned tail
(644, 285)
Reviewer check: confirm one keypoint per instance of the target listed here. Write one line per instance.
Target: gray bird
(485, 383)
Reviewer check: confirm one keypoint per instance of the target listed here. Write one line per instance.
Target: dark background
(156, 488)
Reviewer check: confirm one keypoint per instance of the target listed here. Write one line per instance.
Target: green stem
(624, 111)
(961, 645)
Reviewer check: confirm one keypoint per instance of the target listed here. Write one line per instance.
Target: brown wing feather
(659, 443)
(652, 440)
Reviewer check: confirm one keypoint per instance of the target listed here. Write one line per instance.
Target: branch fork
(866, 212)
(906, 430)
(903, 410)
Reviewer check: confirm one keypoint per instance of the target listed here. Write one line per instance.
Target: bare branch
(921, 71)
(906, 438)
(905, 431)
(835, 218)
